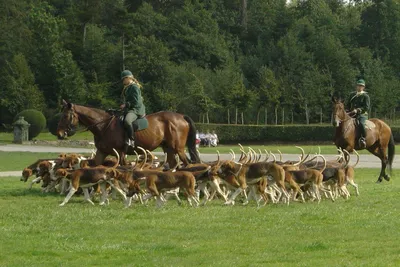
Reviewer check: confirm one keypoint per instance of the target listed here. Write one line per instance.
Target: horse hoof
(379, 181)
(387, 177)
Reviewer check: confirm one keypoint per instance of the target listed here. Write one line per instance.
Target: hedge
(233, 134)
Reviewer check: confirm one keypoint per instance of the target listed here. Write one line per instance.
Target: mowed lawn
(361, 231)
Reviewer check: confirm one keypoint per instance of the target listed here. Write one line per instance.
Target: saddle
(138, 125)
(369, 125)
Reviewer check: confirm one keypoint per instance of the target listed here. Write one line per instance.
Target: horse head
(68, 121)
(339, 112)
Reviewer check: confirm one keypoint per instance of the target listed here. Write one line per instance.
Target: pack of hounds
(254, 176)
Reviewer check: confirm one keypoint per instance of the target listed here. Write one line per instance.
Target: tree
(18, 89)
(268, 91)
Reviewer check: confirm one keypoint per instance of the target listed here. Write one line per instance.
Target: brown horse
(171, 131)
(379, 137)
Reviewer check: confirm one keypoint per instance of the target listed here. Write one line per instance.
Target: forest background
(219, 61)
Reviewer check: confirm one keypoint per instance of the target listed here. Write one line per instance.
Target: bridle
(338, 119)
(73, 115)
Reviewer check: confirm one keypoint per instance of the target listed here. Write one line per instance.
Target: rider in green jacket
(132, 106)
(358, 105)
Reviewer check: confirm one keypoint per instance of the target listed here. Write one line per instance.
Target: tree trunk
(307, 115)
(320, 116)
(244, 15)
(258, 116)
(229, 117)
(202, 116)
(283, 116)
(276, 114)
(236, 115)
(84, 34)
(266, 116)
(208, 119)
(242, 117)
(123, 51)
(292, 116)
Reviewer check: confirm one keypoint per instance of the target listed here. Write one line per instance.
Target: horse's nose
(60, 135)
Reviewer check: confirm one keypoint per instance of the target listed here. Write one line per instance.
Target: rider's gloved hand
(353, 113)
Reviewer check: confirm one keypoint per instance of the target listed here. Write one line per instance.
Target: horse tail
(191, 140)
(391, 148)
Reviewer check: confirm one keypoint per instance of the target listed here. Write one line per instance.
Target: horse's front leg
(171, 159)
(99, 158)
(122, 158)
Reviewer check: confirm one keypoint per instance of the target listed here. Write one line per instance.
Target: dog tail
(191, 140)
(117, 155)
(323, 158)
(391, 151)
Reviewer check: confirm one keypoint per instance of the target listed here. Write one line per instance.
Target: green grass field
(362, 231)
(17, 161)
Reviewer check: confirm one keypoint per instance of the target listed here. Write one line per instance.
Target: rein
(97, 123)
(347, 127)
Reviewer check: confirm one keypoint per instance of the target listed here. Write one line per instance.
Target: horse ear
(66, 104)
(333, 99)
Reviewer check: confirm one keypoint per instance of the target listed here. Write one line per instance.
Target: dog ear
(113, 173)
(42, 165)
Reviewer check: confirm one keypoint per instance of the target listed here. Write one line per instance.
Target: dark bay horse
(379, 138)
(171, 131)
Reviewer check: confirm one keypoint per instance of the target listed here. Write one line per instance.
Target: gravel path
(366, 161)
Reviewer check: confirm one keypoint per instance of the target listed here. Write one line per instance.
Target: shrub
(36, 120)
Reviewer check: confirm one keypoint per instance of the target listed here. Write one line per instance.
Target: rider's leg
(129, 118)
(362, 119)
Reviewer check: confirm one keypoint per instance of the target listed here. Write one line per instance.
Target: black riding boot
(362, 142)
(130, 141)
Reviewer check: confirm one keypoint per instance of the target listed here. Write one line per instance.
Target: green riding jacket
(359, 102)
(133, 100)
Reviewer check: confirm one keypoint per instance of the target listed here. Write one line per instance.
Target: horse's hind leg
(381, 154)
(183, 157)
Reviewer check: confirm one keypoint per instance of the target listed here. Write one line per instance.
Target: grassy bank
(362, 231)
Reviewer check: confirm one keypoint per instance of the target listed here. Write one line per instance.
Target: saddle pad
(140, 124)
(370, 125)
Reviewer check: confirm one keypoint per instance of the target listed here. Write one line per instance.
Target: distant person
(208, 139)
(202, 137)
(214, 139)
(197, 139)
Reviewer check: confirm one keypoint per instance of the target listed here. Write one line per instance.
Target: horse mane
(94, 109)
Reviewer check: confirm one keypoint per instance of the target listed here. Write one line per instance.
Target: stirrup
(362, 142)
(130, 142)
